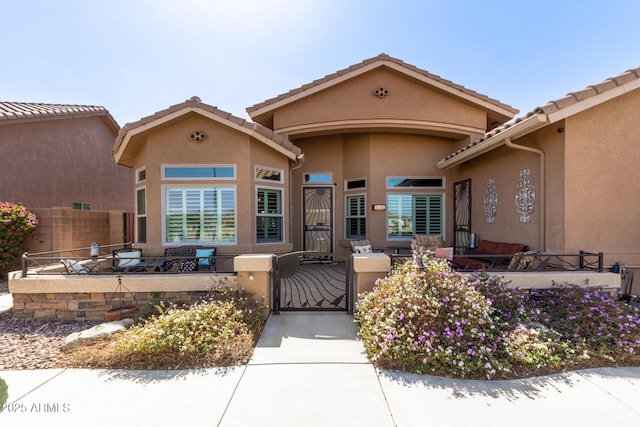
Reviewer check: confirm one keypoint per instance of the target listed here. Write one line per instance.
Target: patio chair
(127, 260)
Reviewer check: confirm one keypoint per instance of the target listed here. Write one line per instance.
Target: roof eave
(520, 129)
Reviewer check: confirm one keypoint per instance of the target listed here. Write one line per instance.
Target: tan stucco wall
(602, 174)
(171, 145)
(60, 162)
(354, 100)
(374, 157)
(504, 165)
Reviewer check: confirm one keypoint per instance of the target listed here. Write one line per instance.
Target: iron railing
(59, 262)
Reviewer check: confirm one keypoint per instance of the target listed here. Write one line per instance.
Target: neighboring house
(54, 155)
(383, 150)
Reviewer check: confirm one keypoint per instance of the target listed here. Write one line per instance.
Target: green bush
(217, 331)
(16, 225)
(434, 320)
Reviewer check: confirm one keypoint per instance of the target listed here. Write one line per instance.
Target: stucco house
(384, 150)
(73, 140)
(560, 179)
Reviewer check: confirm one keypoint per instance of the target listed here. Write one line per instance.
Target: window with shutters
(410, 214)
(356, 227)
(200, 214)
(269, 216)
(141, 215)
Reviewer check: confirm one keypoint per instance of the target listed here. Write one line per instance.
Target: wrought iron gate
(462, 214)
(300, 284)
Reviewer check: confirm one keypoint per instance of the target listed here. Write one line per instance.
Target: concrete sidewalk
(309, 370)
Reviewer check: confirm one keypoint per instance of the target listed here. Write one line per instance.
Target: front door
(318, 219)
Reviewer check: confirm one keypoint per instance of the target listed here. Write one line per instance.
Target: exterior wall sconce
(251, 276)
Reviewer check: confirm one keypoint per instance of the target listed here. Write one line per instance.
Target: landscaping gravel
(33, 344)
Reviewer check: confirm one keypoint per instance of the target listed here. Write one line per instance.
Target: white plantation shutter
(413, 214)
(356, 217)
(200, 214)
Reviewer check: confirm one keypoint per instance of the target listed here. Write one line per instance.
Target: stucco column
(368, 268)
(254, 275)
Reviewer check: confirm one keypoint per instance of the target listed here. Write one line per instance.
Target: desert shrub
(590, 319)
(16, 225)
(220, 330)
(429, 320)
(434, 320)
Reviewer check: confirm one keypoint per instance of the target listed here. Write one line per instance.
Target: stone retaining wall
(91, 306)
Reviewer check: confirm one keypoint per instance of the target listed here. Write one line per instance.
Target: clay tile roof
(558, 104)
(28, 111)
(197, 103)
(379, 58)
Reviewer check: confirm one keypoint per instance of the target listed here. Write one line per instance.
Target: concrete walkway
(309, 370)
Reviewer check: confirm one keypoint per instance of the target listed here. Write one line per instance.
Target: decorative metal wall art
(490, 201)
(525, 196)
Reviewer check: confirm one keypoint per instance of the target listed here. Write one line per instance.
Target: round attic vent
(198, 136)
(380, 92)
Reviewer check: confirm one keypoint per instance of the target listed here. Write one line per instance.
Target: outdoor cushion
(486, 247)
(72, 266)
(446, 253)
(509, 248)
(129, 259)
(364, 249)
(204, 257)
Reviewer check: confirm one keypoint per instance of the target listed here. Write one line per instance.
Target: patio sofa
(488, 255)
(190, 258)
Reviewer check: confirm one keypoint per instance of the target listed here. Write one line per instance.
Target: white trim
(195, 165)
(163, 214)
(282, 215)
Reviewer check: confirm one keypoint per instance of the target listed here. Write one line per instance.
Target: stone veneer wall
(91, 306)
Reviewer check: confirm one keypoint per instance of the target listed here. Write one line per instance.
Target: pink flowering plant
(16, 225)
(437, 321)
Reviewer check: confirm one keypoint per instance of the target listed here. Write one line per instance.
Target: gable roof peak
(267, 107)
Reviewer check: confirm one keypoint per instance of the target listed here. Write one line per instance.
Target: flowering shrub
(16, 225)
(216, 331)
(429, 321)
(434, 320)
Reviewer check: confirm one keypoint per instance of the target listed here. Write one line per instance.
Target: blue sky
(136, 57)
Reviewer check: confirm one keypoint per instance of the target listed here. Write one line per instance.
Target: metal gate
(462, 214)
(300, 284)
(318, 222)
